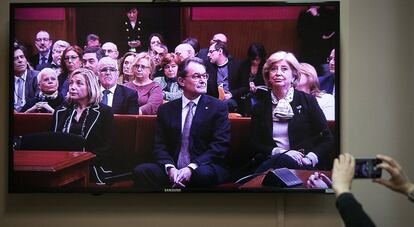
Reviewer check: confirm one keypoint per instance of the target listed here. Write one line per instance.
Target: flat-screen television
(269, 142)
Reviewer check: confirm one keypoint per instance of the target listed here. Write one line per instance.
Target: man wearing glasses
(43, 59)
(122, 99)
(224, 74)
(192, 137)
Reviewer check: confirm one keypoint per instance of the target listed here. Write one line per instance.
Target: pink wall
(246, 13)
(39, 14)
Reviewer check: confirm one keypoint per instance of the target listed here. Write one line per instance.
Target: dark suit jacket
(34, 60)
(125, 101)
(54, 103)
(308, 129)
(31, 87)
(98, 129)
(209, 133)
(327, 83)
(237, 84)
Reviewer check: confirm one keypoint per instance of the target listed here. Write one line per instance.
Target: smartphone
(366, 168)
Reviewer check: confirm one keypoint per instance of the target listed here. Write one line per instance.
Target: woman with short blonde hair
(85, 116)
(149, 92)
(309, 83)
(289, 128)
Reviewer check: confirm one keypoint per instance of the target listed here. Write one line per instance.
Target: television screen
(173, 97)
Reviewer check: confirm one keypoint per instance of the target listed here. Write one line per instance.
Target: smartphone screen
(366, 168)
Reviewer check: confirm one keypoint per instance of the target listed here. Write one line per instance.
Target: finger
(326, 179)
(389, 160)
(181, 184)
(391, 170)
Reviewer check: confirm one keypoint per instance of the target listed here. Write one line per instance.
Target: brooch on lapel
(299, 108)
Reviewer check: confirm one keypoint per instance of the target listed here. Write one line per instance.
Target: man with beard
(192, 137)
(43, 59)
(122, 99)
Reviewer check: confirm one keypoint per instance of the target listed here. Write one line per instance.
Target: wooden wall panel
(25, 30)
(275, 35)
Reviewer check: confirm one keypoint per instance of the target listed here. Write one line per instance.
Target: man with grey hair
(157, 54)
(184, 51)
(43, 58)
(123, 100)
(111, 50)
(57, 50)
(48, 98)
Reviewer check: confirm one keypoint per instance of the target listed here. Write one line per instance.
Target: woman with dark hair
(252, 69)
(168, 82)
(70, 61)
(289, 128)
(155, 39)
(125, 65)
(84, 115)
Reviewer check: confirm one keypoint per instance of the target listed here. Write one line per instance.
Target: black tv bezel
(97, 190)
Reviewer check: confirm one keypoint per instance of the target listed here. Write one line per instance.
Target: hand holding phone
(367, 168)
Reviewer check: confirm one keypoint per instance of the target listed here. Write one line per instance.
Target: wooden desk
(256, 182)
(50, 169)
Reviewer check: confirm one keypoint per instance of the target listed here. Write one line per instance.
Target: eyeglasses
(197, 76)
(72, 58)
(211, 51)
(42, 39)
(140, 66)
(108, 69)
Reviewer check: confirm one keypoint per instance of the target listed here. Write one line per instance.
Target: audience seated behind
(134, 139)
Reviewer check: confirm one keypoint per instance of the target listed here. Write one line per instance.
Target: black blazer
(31, 87)
(99, 127)
(237, 84)
(308, 129)
(54, 103)
(125, 101)
(34, 60)
(209, 134)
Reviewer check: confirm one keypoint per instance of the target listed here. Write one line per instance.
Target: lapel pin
(206, 107)
(299, 108)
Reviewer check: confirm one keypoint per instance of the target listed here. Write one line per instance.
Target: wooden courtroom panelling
(26, 29)
(274, 34)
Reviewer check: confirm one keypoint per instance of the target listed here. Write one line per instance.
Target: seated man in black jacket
(122, 99)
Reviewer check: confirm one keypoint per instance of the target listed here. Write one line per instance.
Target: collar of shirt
(186, 101)
(225, 63)
(23, 76)
(112, 89)
(46, 56)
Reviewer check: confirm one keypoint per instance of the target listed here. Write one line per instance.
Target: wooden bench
(134, 138)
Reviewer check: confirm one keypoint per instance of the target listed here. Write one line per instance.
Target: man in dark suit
(43, 59)
(224, 73)
(327, 83)
(122, 99)
(25, 79)
(192, 137)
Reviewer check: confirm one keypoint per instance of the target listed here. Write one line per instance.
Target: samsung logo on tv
(172, 190)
